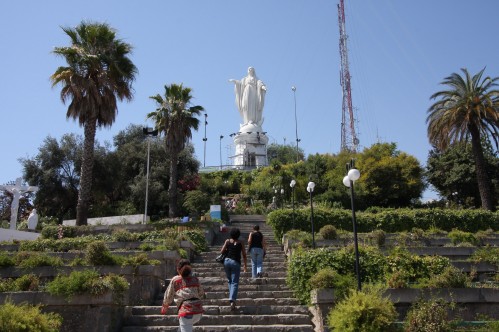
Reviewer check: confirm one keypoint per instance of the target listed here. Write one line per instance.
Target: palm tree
(98, 72)
(468, 110)
(175, 118)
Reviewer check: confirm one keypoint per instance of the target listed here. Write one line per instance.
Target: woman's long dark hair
(184, 267)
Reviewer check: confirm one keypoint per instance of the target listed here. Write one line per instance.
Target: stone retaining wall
(83, 313)
(470, 302)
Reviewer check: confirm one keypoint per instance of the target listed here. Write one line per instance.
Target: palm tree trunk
(172, 187)
(87, 165)
(481, 170)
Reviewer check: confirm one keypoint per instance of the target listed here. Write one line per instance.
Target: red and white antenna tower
(349, 140)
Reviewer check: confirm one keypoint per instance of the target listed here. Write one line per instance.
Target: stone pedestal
(250, 147)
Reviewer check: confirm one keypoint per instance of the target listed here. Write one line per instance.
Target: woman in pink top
(187, 292)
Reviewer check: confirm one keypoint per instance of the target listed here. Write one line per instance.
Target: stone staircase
(264, 304)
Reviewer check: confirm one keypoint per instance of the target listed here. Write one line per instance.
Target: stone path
(264, 304)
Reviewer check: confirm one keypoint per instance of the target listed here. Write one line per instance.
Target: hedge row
(374, 266)
(389, 220)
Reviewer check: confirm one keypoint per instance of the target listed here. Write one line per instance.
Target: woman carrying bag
(232, 264)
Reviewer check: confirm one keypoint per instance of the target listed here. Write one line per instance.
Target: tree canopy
(468, 111)
(98, 74)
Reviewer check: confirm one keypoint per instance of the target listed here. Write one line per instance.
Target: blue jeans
(187, 322)
(232, 271)
(256, 261)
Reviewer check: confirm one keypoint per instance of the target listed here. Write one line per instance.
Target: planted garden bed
(470, 302)
(83, 313)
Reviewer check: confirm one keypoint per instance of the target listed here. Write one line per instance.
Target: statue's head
(251, 71)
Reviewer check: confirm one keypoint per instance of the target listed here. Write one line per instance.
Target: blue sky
(399, 52)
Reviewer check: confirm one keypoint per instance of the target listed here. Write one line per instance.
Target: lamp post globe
(353, 174)
(346, 181)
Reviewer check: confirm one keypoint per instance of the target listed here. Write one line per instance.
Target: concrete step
(244, 281)
(215, 266)
(245, 307)
(229, 318)
(231, 328)
(222, 292)
(221, 274)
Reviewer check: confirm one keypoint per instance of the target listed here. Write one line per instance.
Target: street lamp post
(310, 189)
(205, 139)
(296, 125)
(292, 185)
(148, 132)
(221, 136)
(353, 175)
(282, 198)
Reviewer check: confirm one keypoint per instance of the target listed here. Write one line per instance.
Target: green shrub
(328, 232)
(458, 237)
(329, 278)
(170, 244)
(304, 238)
(482, 235)
(486, 254)
(196, 237)
(183, 253)
(377, 237)
(86, 282)
(62, 245)
(414, 267)
(122, 235)
(98, 254)
(304, 264)
(25, 317)
(60, 231)
(140, 259)
(33, 259)
(450, 277)
(323, 279)
(365, 311)
(371, 260)
(6, 259)
(78, 261)
(27, 282)
(428, 316)
(388, 220)
(397, 279)
(147, 246)
(7, 285)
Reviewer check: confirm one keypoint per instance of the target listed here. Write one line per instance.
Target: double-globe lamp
(292, 185)
(310, 189)
(352, 176)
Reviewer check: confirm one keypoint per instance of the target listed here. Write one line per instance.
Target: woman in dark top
(232, 264)
(256, 248)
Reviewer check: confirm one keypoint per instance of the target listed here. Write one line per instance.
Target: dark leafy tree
(56, 172)
(452, 173)
(175, 118)
(389, 177)
(283, 154)
(467, 112)
(98, 74)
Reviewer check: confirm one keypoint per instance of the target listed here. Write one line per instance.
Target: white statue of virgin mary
(250, 98)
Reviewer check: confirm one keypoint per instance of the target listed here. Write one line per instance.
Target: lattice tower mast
(349, 140)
